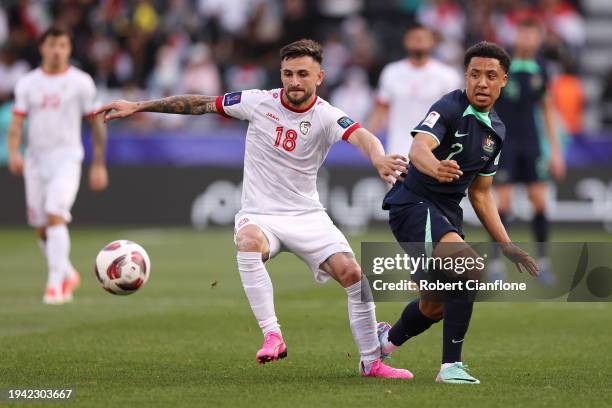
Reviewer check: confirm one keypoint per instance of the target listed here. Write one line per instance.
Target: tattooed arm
(181, 104)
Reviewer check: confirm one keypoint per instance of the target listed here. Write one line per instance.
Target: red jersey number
(289, 142)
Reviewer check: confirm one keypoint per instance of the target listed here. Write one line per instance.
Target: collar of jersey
(481, 116)
(525, 65)
(306, 109)
(55, 74)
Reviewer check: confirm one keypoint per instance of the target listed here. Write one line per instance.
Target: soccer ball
(122, 267)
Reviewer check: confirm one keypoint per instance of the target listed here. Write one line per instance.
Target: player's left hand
(521, 258)
(98, 177)
(557, 165)
(390, 167)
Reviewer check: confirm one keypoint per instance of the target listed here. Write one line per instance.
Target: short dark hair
(487, 50)
(416, 26)
(529, 22)
(302, 48)
(55, 31)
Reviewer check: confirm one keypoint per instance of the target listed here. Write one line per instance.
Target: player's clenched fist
(448, 171)
(390, 167)
(16, 163)
(98, 177)
(117, 109)
(520, 258)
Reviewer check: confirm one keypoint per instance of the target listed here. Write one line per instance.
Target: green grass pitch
(188, 338)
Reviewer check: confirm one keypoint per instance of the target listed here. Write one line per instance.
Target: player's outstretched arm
(98, 175)
(483, 202)
(388, 167)
(421, 156)
(15, 136)
(180, 104)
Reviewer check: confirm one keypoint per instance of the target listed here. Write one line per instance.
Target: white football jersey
(409, 91)
(55, 105)
(284, 149)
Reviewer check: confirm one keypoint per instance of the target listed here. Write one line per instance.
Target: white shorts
(51, 189)
(313, 237)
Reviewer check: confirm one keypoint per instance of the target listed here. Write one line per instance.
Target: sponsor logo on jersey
(431, 119)
(305, 127)
(273, 116)
(232, 98)
(488, 144)
(345, 122)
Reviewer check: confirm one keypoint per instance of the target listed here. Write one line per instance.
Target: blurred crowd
(148, 48)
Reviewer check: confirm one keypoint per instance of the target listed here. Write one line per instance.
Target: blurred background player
(54, 97)
(290, 133)
(525, 158)
(456, 148)
(408, 87)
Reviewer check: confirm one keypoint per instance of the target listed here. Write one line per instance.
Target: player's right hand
(15, 164)
(390, 167)
(448, 171)
(117, 109)
(520, 258)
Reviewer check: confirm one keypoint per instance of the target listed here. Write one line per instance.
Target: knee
(249, 244)
(350, 274)
(53, 220)
(433, 310)
(41, 233)
(250, 241)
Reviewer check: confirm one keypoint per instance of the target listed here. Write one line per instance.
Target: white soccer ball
(122, 267)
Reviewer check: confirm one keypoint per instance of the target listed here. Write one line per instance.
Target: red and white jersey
(284, 149)
(55, 105)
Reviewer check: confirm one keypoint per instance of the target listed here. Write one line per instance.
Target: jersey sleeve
(384, 93)
(437, 121)
(89, 98)
(490, 168)
(239, 105)
(339, 125)
(21, 99)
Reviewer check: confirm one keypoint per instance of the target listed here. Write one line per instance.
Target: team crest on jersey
(232, 98)
(305, 127)
(488, 144)
(345, 122)
(536, 82)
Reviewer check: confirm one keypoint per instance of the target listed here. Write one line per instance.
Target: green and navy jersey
(470, 137)
(519, 102)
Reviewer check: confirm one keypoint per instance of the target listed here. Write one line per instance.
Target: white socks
(258, 288)
(386, 346)
(363, 325)
(57, 250)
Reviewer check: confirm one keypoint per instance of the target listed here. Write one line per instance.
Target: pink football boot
(69, 285)
(381, 370)
(273, 348)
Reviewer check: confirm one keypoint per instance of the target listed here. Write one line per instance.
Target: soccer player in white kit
(290, 133)
(407, 89)
(54, 98)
